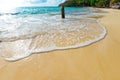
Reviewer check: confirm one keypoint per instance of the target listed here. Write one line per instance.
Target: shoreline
(59, 38)
(98, 61)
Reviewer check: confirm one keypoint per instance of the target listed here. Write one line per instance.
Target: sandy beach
(98, 61)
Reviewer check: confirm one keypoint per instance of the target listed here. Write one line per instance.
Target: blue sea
(28, 30)
(41, 10)
(23, 19)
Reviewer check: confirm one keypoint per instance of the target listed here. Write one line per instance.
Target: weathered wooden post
(63, 12)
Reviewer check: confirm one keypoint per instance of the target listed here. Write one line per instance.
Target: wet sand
(99, 61)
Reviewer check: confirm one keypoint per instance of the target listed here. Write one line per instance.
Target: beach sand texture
(98, 61)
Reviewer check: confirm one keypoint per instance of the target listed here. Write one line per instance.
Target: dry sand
(99, 61)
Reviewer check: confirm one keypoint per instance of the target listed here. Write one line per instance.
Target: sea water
(27, 30)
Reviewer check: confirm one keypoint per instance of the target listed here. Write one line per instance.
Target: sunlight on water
(7, 5)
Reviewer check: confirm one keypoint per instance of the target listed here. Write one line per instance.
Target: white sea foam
(62, 34)
(23, 35)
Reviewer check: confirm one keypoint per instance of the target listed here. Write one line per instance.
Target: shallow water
(24, 34)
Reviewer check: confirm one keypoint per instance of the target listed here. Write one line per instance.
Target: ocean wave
(74, 34)
(24, 34)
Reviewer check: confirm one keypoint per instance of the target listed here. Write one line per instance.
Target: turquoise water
(29, 20)
(27, 30)
(42, 10)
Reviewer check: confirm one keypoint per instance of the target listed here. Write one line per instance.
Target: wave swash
(41, 35)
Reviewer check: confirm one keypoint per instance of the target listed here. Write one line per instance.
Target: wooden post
(110, 5)
(63, 12)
